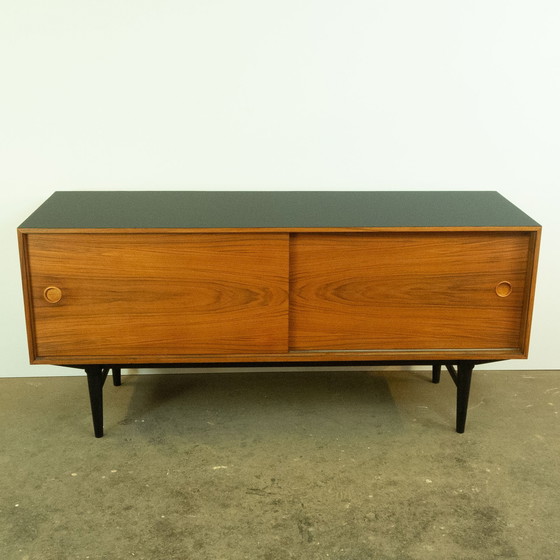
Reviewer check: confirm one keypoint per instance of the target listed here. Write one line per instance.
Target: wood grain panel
(158, 294)
(407, 291)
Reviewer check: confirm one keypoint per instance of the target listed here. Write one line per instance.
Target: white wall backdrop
(292, 94)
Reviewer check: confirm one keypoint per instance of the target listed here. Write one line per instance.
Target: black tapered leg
(463, 382)
(116, 376)
(436, 373)
(96, 378)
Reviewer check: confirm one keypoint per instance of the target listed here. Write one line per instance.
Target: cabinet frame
(534, 234)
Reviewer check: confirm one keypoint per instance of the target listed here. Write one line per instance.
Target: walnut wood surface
(176, 297)
(408, 291)
(158, 295)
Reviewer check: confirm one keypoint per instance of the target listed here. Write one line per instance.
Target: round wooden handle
(503, 289)
(52, 294)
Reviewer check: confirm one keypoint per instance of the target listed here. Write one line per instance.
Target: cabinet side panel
(408, 291)
(531, 281)
(27, 298)
(158, 294)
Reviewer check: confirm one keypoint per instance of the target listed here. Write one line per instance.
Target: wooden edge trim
(311, 357)
(27, 299)
(281, 230)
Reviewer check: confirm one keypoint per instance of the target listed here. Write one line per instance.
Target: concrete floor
(263, 465)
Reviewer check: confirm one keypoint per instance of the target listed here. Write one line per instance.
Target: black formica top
(276, 209)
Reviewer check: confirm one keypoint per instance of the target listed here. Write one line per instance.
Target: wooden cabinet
(116, 279)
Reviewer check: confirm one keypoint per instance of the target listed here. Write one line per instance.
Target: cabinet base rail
(460, 372)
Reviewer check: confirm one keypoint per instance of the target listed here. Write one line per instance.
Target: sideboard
(117, 279)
